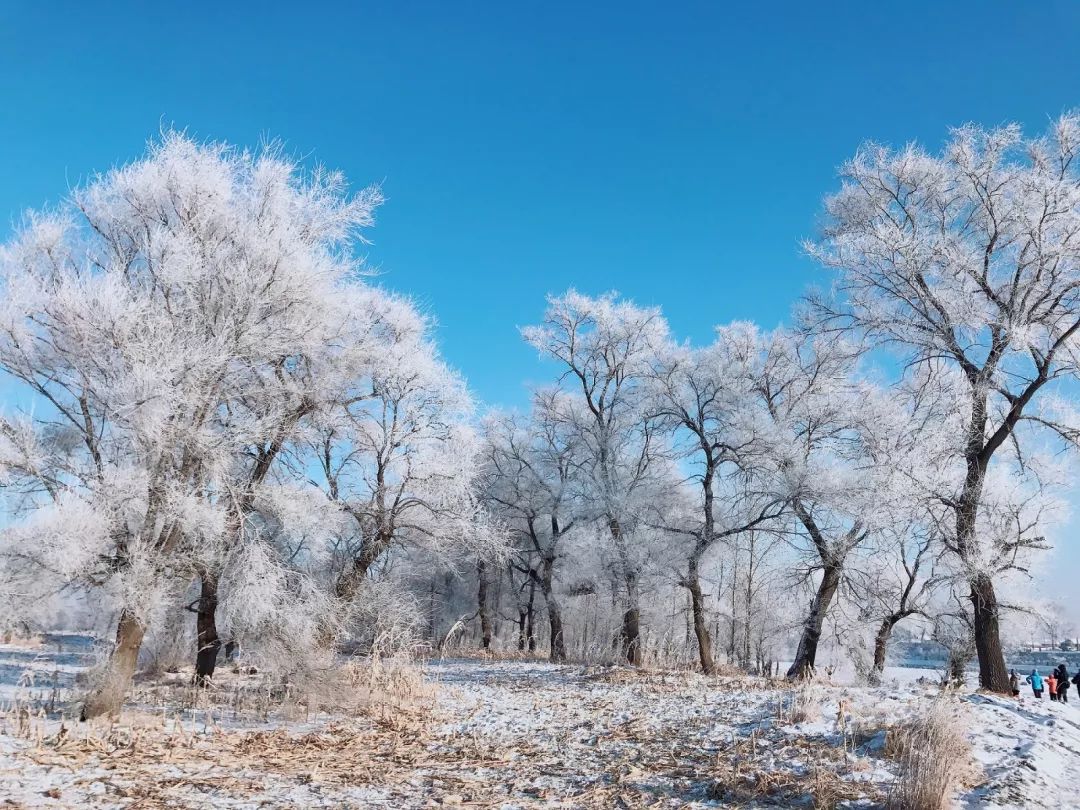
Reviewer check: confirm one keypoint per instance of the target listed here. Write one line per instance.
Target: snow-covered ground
(528, 734)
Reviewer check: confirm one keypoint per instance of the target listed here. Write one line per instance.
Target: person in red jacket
(1051, 686)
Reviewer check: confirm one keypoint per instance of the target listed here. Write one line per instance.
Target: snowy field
(525, 734)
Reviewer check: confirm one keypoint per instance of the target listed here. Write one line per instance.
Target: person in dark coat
(1063, 683)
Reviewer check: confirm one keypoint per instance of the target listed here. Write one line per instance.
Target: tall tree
(533, 481)
(604, 346)
(968, 261)
(400, 457)
(701, 395)
(807, 406)
(138, 316)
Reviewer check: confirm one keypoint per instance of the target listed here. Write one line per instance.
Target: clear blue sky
(675, 152)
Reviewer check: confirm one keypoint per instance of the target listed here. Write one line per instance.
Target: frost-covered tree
(968, 262)
(807, 405)
(701, 397)
(533, 481)
(142, 316)
(757, 619)
(894, 582)
(604, 346)
(399, 457)
(272, 417)
(896, 575)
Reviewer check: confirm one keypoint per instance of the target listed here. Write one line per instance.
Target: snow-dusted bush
(933, 753)
(281, 613)
(385, 620)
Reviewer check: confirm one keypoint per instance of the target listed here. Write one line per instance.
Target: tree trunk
(522, 618)
(630, 634)
(733, 623)
(701, 629)
(744, 654)
(531, 613)
(591, 610)
(558, 645)
(881, 643)
(108, 697)
(748, 602)
(482, 606)
(806, 657)
(207, 636)
(431, 628)
(348, 584)
(992, 672)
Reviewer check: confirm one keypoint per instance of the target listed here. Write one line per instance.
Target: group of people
(1056, 683)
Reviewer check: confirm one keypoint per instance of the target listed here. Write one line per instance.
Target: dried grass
(388, 735)
(667, 678)
(933, 754)
(773, 767)
(359, 687)
(799, 705)
(745, 780)
(381, 710)
(38, 693)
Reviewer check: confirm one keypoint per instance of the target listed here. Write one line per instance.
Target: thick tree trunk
(558, 644)
(630, 633)
(207, 636)
(108, 697)
(806, 657)
(701, 629)
(522, 618)
(432, 617)
(482, 606)
(992, 672)
(348, 584)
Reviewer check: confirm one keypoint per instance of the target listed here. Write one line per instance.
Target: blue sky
(675, 152)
